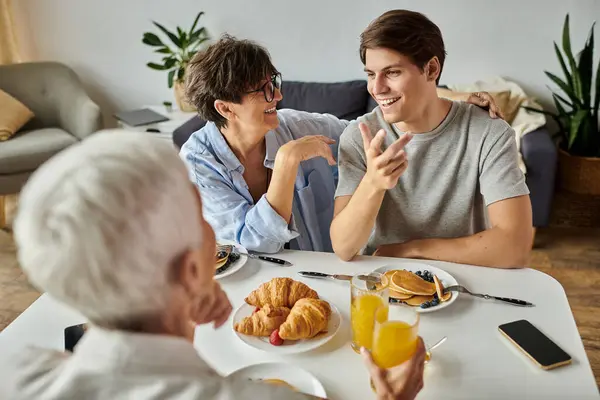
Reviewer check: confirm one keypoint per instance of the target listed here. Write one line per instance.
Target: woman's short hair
(100, 225)
(226, 70)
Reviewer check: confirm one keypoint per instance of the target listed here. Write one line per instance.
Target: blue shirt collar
(228, 157)
(273, 146)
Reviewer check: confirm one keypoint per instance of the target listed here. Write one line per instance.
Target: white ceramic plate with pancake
(300, 379)
(288, 346)
(235, 266)
(443, 276)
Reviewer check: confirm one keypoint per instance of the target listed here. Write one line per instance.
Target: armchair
(64, 115)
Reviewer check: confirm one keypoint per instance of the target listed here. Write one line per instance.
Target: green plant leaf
(537, 110)
(170, 63)
(564, 118)
(200, 33)
(563, 65)
(157, 67)
(566, 41)
(586, 68)
(171, 36)
(574, 128)
(170, 77)
(151, 39)
(201, 13)
(562, 99)
(180, 74)
(164, 50)
(565, 88)
(557, 101)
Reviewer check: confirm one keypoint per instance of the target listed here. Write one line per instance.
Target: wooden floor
(571, 255)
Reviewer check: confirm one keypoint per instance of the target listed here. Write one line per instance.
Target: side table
(165, 129)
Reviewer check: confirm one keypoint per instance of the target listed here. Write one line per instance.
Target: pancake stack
(224, 260)
(413, 290)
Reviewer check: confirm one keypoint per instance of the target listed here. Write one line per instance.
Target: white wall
(308, 40)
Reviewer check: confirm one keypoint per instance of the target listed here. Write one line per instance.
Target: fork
(462, 289)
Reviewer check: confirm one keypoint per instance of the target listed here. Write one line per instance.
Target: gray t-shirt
(465, 164)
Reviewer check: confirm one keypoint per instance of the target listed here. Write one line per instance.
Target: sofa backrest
(346, 100)
(41, 86)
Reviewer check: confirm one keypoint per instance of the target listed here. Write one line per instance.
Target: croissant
(263, 322)
(280, 292)
(307, 319)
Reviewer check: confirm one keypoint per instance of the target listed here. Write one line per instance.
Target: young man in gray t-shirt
(440, 179)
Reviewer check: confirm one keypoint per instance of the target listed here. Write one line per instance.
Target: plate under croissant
(289, 346)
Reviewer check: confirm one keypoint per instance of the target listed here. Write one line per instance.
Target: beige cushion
(502, 100)
(29, 149)
(13, 116)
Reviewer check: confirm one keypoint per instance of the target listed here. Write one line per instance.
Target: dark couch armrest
(183, 132)
(540, 157)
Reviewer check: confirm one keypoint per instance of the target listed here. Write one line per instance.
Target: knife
(339, 277)
(320, 275)
(274, 260)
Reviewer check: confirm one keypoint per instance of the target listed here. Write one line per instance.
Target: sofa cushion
(346, 100)
(13, 116)
(27, 150)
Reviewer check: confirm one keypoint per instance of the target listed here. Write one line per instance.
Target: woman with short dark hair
(267, 176)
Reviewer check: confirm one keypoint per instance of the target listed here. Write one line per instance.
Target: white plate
(288, 346)
(233, 268)
(446, 278)
(301, 379)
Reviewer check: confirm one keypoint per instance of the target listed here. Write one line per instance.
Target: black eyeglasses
(268, 88)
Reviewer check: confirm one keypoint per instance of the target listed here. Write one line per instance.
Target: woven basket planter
(579, 174)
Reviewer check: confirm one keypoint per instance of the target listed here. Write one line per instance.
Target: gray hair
(100, 224)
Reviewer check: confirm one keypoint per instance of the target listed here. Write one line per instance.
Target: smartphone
(537, 346)
(73, 334)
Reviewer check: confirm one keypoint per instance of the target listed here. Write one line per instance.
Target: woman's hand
(402, 382)
(486, 101)
(213, 307)
(308, 147)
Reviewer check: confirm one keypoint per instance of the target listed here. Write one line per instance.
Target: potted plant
(175, 57)
(577, 116)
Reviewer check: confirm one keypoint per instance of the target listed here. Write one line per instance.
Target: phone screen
(535, 344)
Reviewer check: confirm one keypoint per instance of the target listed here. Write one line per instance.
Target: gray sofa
(64, 115)
(350, 100)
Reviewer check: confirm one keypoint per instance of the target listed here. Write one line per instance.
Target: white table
(163, 130)
(476, 362)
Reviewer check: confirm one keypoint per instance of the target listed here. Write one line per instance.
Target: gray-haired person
(114, 228)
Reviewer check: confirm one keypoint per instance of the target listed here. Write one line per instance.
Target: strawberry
(274, 339)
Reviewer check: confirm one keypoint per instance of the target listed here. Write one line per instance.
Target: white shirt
(123, 365)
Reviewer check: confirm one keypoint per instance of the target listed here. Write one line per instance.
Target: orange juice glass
(369, 293)
(395, 335)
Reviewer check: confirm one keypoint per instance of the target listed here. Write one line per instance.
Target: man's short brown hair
(409, 33)
(226, 70)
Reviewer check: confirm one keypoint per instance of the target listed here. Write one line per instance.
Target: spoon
(429, 349)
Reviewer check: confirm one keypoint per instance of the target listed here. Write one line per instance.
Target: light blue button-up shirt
(227, 202)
